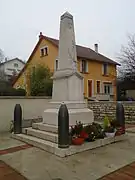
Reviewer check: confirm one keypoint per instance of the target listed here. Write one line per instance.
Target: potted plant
(91, 137)
(110, 131)
(99, 131)
(95, 129)
(109, 127)
(77, 141)
(120, 130)
(75, 134)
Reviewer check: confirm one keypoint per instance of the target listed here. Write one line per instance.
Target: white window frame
(111, 88)
(44, 51)
(103, 69)
(56, 64)
(15, 65)
(81, 68)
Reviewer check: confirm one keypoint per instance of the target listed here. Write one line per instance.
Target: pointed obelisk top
(67, 15)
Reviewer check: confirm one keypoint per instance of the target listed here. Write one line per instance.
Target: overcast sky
(106, 22)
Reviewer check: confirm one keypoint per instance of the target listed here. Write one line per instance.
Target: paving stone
(125, 173)
(8, 173)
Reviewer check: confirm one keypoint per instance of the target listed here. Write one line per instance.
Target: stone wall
(105, 107)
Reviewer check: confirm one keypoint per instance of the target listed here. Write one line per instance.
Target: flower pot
(108, 134)
(77, 141)
(120, 131)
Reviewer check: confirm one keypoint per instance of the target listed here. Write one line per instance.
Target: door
(89, 88)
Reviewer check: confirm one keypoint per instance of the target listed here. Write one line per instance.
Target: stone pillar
(68, 84)
(67, 76)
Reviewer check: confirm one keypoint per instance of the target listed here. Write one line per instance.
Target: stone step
(53, 147)
(40, 143)
(45, 127)
(41, 134)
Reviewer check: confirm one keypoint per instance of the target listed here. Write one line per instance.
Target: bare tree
(127, 58)
(2, 57)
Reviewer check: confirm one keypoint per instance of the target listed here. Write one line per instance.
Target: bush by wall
(12, 92)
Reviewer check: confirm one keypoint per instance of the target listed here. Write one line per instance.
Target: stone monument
(67, 88)
(67, 81)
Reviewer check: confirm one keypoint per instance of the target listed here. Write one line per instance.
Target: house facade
(10, 68)
(99, 72)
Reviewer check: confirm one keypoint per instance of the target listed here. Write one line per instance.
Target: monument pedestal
(67, 88)
(78, 111)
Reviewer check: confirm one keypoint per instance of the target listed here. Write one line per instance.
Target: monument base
(78, 111)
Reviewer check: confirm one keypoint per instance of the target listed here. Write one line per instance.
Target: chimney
(96, 48)
(40, 35)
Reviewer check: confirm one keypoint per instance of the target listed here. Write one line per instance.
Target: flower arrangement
(85, 133)
(80, 133)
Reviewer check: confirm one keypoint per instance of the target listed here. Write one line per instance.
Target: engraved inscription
(70, 25)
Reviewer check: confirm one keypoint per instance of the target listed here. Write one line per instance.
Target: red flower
(84, 135)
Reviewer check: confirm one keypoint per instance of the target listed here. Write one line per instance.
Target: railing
(102, 97)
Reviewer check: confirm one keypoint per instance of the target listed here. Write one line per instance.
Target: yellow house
(99, 71)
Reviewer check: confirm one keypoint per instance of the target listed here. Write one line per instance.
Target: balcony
(102, 97)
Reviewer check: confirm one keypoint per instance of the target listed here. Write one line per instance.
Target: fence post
(63, 127)
(17, 119)
(120, 115)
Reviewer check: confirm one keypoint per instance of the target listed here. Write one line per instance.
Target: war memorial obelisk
(67, 81)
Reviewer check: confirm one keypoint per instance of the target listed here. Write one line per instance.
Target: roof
(12, 60)
(82, 52)
(85, 52)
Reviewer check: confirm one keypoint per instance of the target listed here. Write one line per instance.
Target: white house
(11, 67)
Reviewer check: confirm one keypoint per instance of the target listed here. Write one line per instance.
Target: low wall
(105, 107)
(32, 108)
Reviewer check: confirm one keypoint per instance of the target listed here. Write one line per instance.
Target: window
(105, 69)
(84, 66)
(44, 51)
(98, 87)
(108, 88)
(15, 65)
(56, 64)
(10, 69)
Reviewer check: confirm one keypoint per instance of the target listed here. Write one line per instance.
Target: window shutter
(102, 69)
(87, 68)
(81, 66)
(101, 87)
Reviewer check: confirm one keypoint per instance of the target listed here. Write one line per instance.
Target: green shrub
(106, 121)
(12, 92)
(20, 92)
(41, 84)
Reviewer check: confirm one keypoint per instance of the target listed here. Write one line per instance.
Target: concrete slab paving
(36, 164)
(7, 142)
